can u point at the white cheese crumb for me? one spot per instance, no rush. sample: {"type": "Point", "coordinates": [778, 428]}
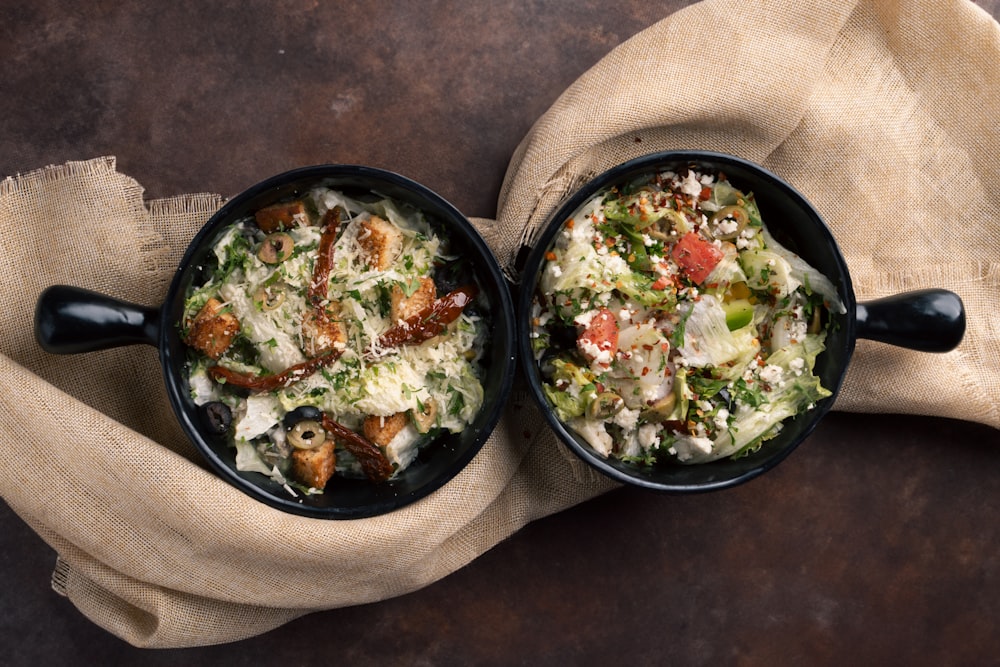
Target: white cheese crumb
{"type": "Point", "coordinates": [690, 185]}
{"type": "Point", "coordinates": [584, 319]}
{"type": "Point", "coordinates": [702, 444]}
{"type": "Point", "coordinates": [771, 374]}
{"type": "Point", "coordinates": [627, 419]}
{"type": "Point", "coordinates": [648, 437]}
{"type": "Point", "coordinates": [727, 226]}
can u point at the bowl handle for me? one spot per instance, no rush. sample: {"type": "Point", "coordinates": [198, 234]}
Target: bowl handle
{"type": "Point", "coordinates": [69, 320]}
{"type": "Point", "coordinates": [929, 320]}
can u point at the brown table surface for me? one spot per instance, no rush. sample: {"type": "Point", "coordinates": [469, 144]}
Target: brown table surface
{"type": "Point", "coordinates": [876, 542]}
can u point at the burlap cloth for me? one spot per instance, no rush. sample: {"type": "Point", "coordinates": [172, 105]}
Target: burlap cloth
{"type": "Point", "coordinates": [884, 113]}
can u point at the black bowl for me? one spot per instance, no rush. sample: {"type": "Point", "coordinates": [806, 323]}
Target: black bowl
{"type": "Point", "coordinates": [71, 320]}
{"type": "Point", "coordinates": [929, 320]}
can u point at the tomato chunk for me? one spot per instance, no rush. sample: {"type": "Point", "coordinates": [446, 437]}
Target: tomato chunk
{"type": "Point", "coordinates": [696, 256]}
{"type": "Point", "coordinates": [599, 340]}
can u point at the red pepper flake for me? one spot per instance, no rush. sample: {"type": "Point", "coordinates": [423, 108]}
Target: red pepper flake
{"type": "Point", "coordinates": [570, 223]}
{"type": "Point", "coordinates": [706, 192]}
{"type": "Point", "coordinates": [551, 256]}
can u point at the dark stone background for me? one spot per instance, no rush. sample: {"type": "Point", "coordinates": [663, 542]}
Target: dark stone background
{"type": "Point", "coordinates": [875, 543]}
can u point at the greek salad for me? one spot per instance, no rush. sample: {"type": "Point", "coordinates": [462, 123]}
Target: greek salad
{"type": "Point", "coordinates": [670, 326]}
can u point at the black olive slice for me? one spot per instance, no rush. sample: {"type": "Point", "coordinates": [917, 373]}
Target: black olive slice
{"type": "Point", "coordinates": [302, 413]}
{"type": "Point", "coordinates": [216, 417]}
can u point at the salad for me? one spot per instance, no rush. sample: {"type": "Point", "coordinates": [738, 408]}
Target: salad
{"type": "Point", "coordinates": [333, 337]}
{"type": "Point", "coordinates": [670, 326]}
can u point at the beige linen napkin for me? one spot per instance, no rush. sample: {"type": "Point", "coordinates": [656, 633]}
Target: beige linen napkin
{"type": "Point", "coordinates": [882, 112]}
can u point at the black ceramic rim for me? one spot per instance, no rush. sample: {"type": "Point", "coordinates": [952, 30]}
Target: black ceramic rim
{"type": "Point", "coordinates": [724, 473]}
{"type": "Point", "coordinates": [375, 499]}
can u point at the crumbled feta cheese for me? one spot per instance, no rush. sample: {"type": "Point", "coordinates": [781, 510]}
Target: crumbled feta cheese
{"type": "Point", "coordinates": [648, 437]}
{"type": "Point", "coordinates": [690, 185]}
{"type": "Point", "coordinates": [597, 354]}
{"type": "Point", "coordinates": [771, 374]}
{"type": "Point", "coordinates": [584, 318]}
{"type": "Point", "coordinates": [704, 445]}
{"type": "Point", "coordinates": [627, 419]}
{"type": "Point", "coordinates": [615, 265]}
{"type": "Point", "coordinates": [727, 226]}
{"type": "Point", "coordinates": [721, 419]}
{"type": "Point", "coordinates": [745, 239]}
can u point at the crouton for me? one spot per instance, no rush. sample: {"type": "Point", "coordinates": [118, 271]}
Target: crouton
{"type": "Point", "coordinates": [403, 307]}
{"type": "Point", "coordinates": [213, 329]}
{"type": "Point", "coordinates": [282, 216]}
{"type": "Point", "coordinates": [381, 241]}
{"type": "Point", "coordinates": [381, 430]}
{"type": "Point", "coordinates": [322, 332]}
{"type": "Point", "coordinates": [314, 467]}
